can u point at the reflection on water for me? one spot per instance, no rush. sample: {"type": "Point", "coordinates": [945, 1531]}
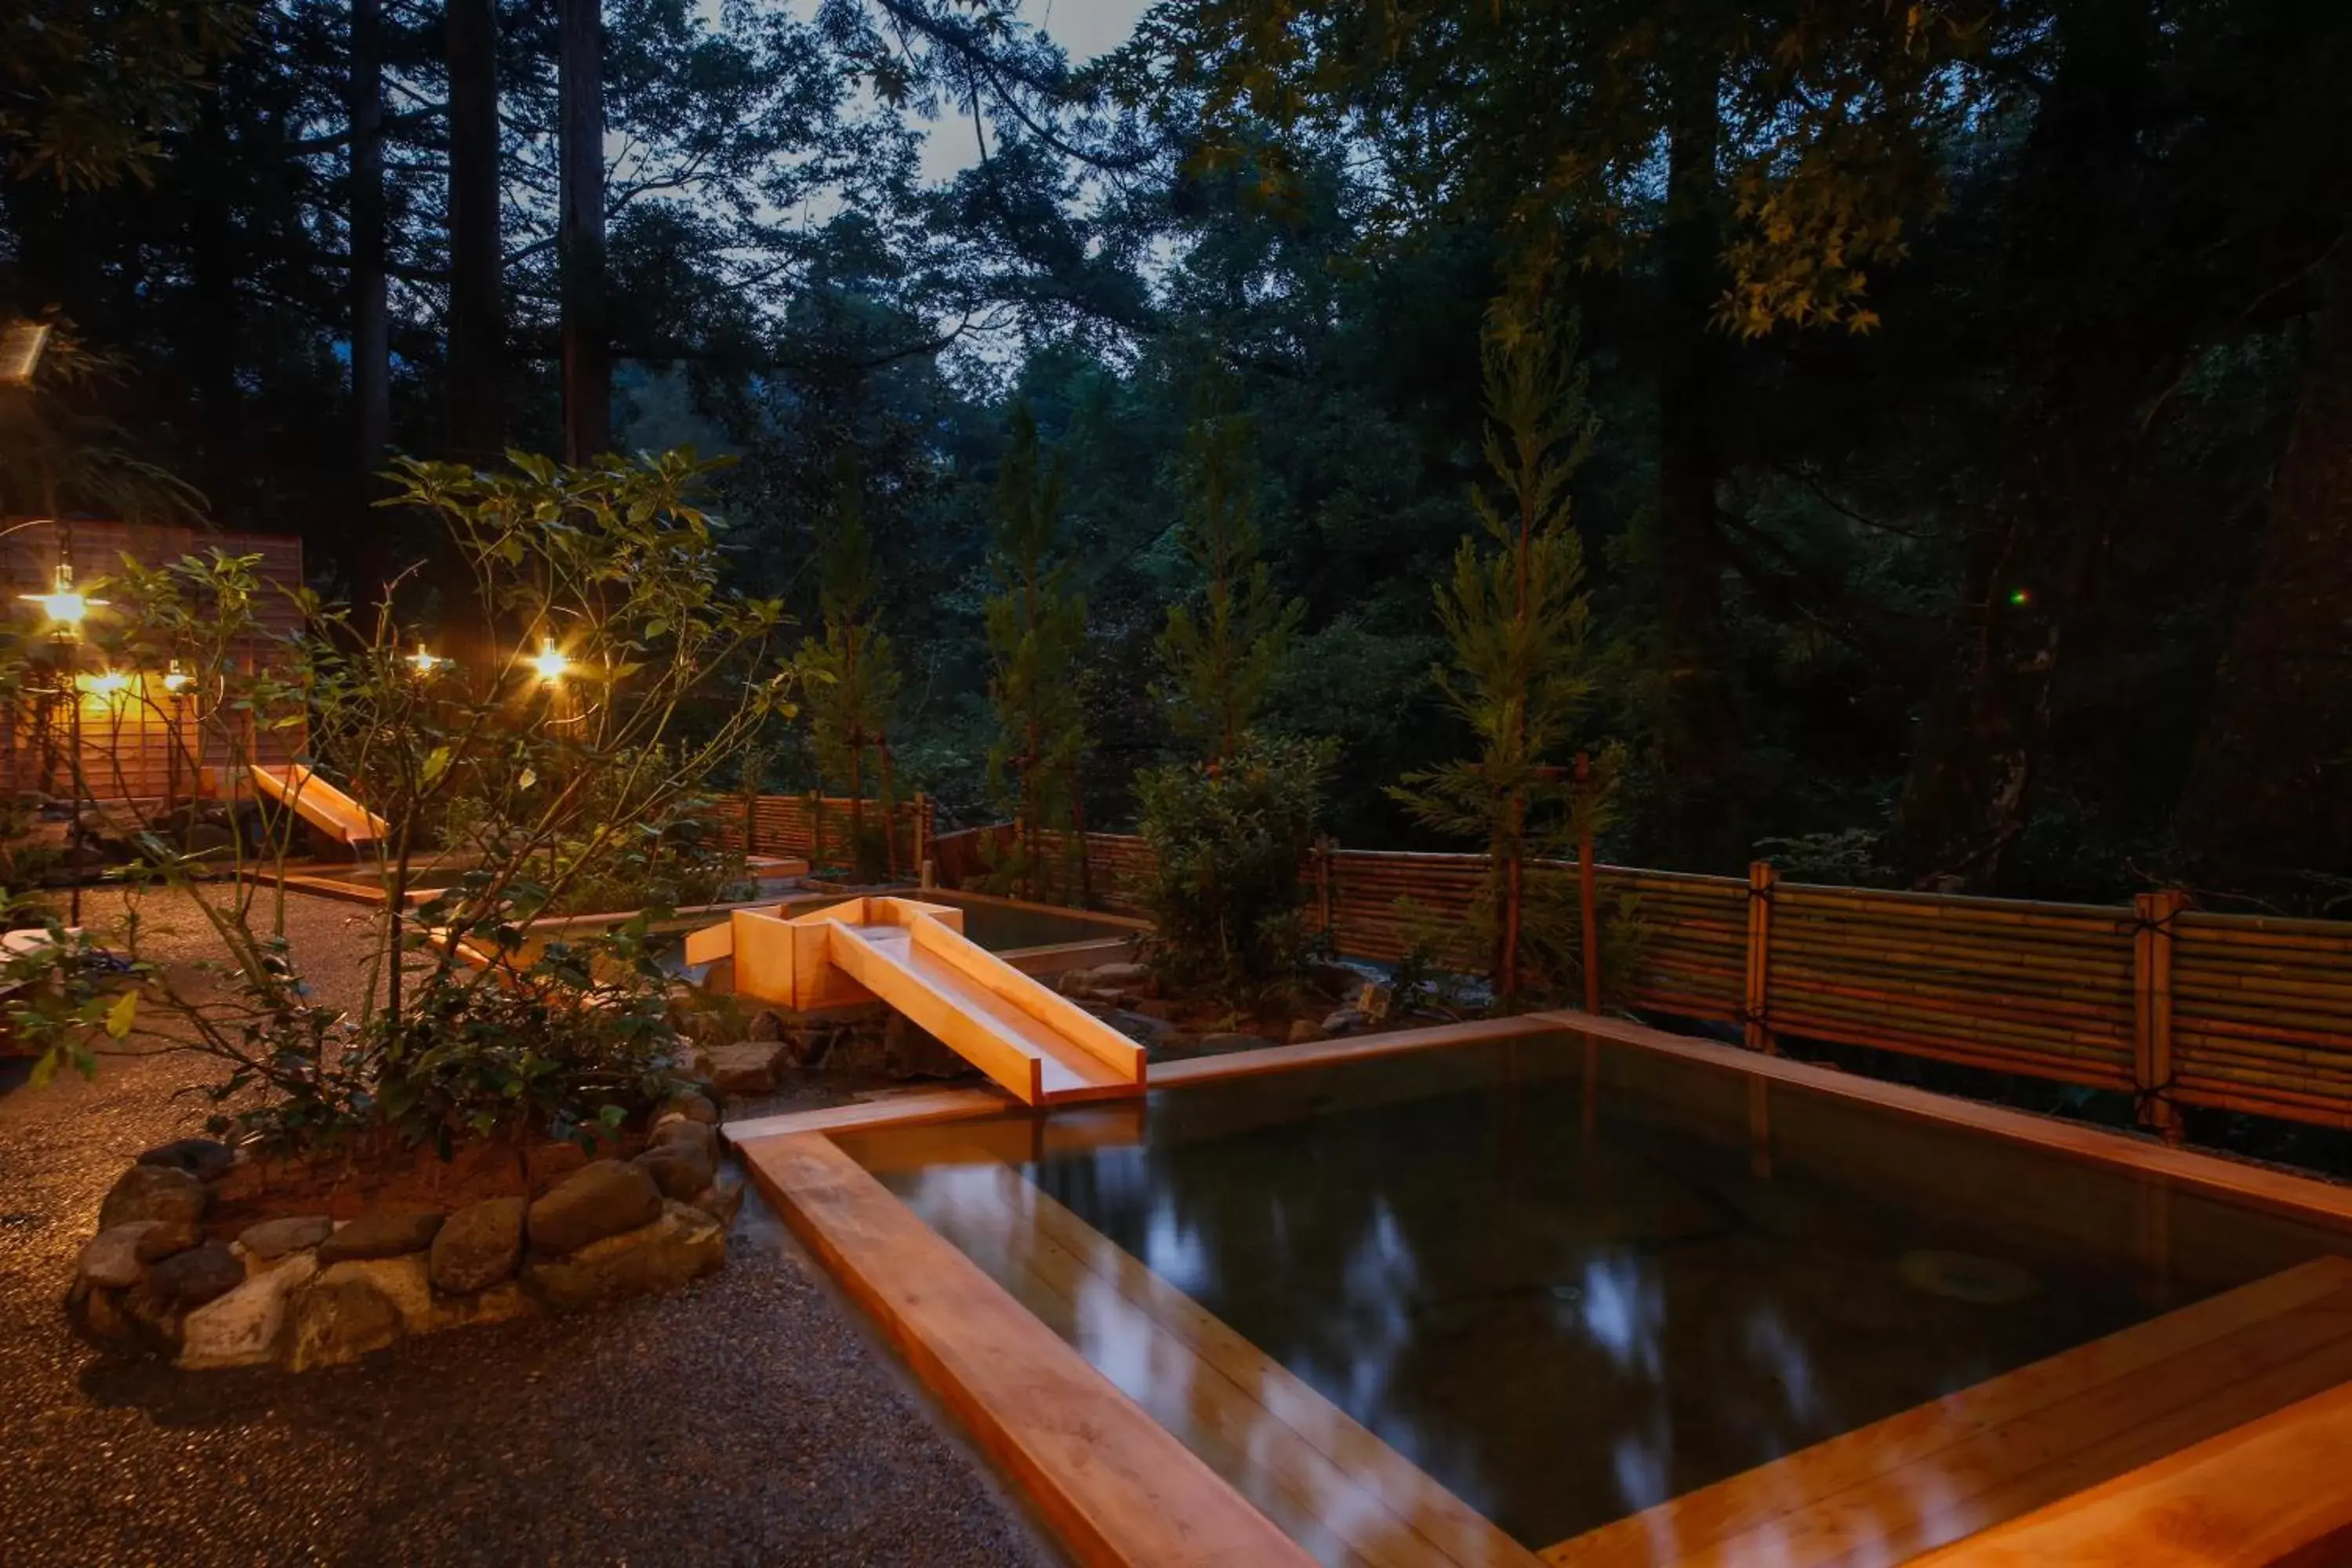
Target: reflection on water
{"type": "Point", "coordinates": [1566, 1323]}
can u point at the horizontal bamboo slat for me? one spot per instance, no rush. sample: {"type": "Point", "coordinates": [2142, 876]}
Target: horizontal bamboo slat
{"type": "Point", "coordinates": [2259, 1009]}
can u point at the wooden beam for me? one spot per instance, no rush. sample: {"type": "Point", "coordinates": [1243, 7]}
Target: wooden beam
{"type": "Point", "coordinates": [1354, 1047]}
{"type": "Point", "coordinates": [2262, 1187]}
{"type": "Point", "coordinates": [1114, 1484]}
{"type": "Point", "coordinates": [1942, 1472]}
{"type": "Point", "coordinates": [2269, 1494]}
{"type": "Point", "coordinates": [888, 1111]}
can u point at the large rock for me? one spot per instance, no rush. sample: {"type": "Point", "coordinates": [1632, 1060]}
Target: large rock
{"type": "Point", "coordinates": [680, 1244]}
{"type": "Point", "coordinates": [700, 1136]}
{"type": "Point", "coordinates": [274, 1238]}
{"type": "Point", "coordinates": [679, 1169]}
{"type": "Point", "coordinates": [203, 1158]}
{"type": "Point", "coordinates": [747, 1068]}
{"type": "Point", "coordinates": [191, 1278]}
{"type": "Point", "coordinates": [103, 1316]}
{"type": "Point", "coordinates": [480, 1245]}
{"type": "Point", "coordinates": [1106, 978]}
{"type": "Point", "coordinates": [340, 1320]}
{"type": "Point", "coordinates": [1138, 1025]}
{"type": "Point", "coordinates": [153, 1192]}
{"type": "Point", "coordinates": [1344, 1021]}
{"type": "Point", "coordinates": [246, 1327]}
{"type": "Point", "coordinates": [597, 1201]}
{"type": "Point", "coordinates": [910, 1052]}
{"type": "Point", "coordinates": [110, 1261]}
{"type": "Point", "coordinates": [767, 1025]}
{"type": "Point", "coordinates": [721, 1199]}
{"type": "Point", "coordinates": [163, 1238]}
{"type": "Point", "coordinates": [380, 1235]}
{"type": "Point", "coordinates": [691, 1106]}
{"type": "Point", "coordinates": [1306, 1031]}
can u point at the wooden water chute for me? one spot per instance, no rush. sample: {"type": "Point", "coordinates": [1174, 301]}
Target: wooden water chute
{"type": "Point", "coordinates": [1040, 1045]}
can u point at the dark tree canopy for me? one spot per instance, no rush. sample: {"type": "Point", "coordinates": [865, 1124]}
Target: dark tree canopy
{"type": "Point", "coordinates": [1967, 501]}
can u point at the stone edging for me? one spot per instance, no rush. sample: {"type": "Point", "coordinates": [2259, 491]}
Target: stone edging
{"type": "Point", "coordinates": [305, 1291]}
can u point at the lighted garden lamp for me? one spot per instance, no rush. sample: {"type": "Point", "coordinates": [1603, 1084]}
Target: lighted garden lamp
{"type": "Point", "coordinates": [21, 342]}
{"type": "Point", "coordinates": [550, 664]}
{"type": "Point", "coordinates": [422, 662]}
{"type": "Point", "coordinates": [65, 605]}
{"type": "Point", "coordinates": [109, 684]}
{"type": "Point", "coordinates": [175, 679]}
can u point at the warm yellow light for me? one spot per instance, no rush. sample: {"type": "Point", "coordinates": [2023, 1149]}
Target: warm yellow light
{"type": "Point", "coordinates": [175, 681]}
{"type": "Point", "coordinates": [422, 662]}
{"type": "Point", "coordinates": [63, 606]}
{"type": "Point", "coordinates": [109, 683]}
{"type": "Point", "coordinates": [550, 664]}
{"type": "Point", "coordinates": [20, 351]}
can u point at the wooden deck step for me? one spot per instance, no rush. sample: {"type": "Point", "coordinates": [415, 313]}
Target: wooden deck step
{"type": "Point", "coordinates": [1945, 1470]}
{"type": "Point", "coordinates": [2268, 1494]}
{"type": "Point", "coordinates": [1332, 1484]}
{"type": "Point", "coordinates": [1115, 1485]}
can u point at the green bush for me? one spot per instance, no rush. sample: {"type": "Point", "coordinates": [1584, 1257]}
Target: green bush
{"type": "Point", "coordinates": [1227, 841]}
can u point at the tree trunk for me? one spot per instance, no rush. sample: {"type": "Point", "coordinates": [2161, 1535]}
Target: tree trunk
{"type": "Point", "coordinates": [371, 334]}
{"type": "Point", "coordinates": [1700, 726]}
{"type": "Point", "coordinates": [2269, 798]}
{"type": "Point", "coordinates": [477, 369]}
{"type": "Point", "coordinates": [580, 234]}
{"type": "Point", "coordinates": [2081, 364]}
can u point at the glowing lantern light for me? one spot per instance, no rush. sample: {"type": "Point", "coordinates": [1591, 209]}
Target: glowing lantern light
{"type": "Point", "coordinates": [64, 605]}
{"type": "Point", "coordinates": [175, 681]}
{"type": "Point", "coordinates": [109, 683]}
{"type": "Point", "coordinates": [422, 662]}
{"type": "Point", "coordinates": [550, 664]}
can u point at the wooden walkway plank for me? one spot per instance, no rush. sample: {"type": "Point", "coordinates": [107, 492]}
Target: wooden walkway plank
{"type": "Point", "coordinates": [1336, 1521]}
{"type": "Point", "coordinates": [2269, 1493]}
{"type": "Point", "coordinates": [1385, 1507]}
{"type": "Point", "coordinates": [1941, 1471]}
{"type": "Point", "coordinates": [1114, 1484]}
{"type": "Point", "coordinates": [886, 1110]}
{"type": "Point", "coordinates": [1353, 1047]}
{"type": "Point", "coordinates": [2301, 1197]}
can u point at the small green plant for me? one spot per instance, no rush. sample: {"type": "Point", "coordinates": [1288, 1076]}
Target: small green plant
{"type": "Point", "coordinates": [1227, 841]}
{"type": "Point", "coordinates": [1428, 977]}
{"type": "Point", "coordinates": [1515, 613]}
{"type": "Point", "coordinates": [574, 765]}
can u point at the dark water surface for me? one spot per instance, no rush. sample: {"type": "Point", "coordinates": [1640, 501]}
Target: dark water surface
{"type": "Point", "coordinates": [1568, 1308]}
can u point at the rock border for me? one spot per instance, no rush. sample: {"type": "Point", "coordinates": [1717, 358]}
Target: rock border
{"type": "Point", "coordinates": [304, 1290]}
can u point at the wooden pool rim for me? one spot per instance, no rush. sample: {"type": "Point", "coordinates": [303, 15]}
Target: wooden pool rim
{"type": "Point", "coordinates": [1119, 1489]}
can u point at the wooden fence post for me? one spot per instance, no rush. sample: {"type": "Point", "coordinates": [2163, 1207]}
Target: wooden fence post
{"type": "Point", "coordinates": [1756, 1032]}
{"type": "Point", "coordinates": [1324, 845]}
{"type": "Point", "coordinates": [1588, 892]}
{"type": "Point", "coordinates": [2152, 1009]}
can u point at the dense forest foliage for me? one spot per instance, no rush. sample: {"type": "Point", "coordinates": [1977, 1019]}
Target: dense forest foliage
{"type": "Point", "coordinates": [1969, 499]}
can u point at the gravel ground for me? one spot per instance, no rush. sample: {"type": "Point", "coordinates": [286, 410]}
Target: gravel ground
{"type": "Point", "coordinates": [750, 1418]}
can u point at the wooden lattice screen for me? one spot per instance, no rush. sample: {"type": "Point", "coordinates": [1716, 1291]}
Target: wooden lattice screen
{"type": "Point", "coordinates": [2174, 1005]}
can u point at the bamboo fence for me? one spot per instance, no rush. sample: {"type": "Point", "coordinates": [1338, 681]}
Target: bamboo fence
{"type": "Point", "coordinates": [2173, 1005]}
{"type": "Point", "coordinates": [816, 828]}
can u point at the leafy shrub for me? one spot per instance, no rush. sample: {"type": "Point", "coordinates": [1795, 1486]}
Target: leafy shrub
{"type": "Point", "coordinates": [1227, 841]}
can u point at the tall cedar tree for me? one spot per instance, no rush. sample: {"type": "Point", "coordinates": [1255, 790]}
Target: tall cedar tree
{"type": "Point", "coordinates": [1221, 661]}
{"type": "Point", "coordinates": [1036, 641]}
{"type": "Point", "coordinates": [1516, 615]}
{"type": "Point", "coordinates": [853, 675]}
